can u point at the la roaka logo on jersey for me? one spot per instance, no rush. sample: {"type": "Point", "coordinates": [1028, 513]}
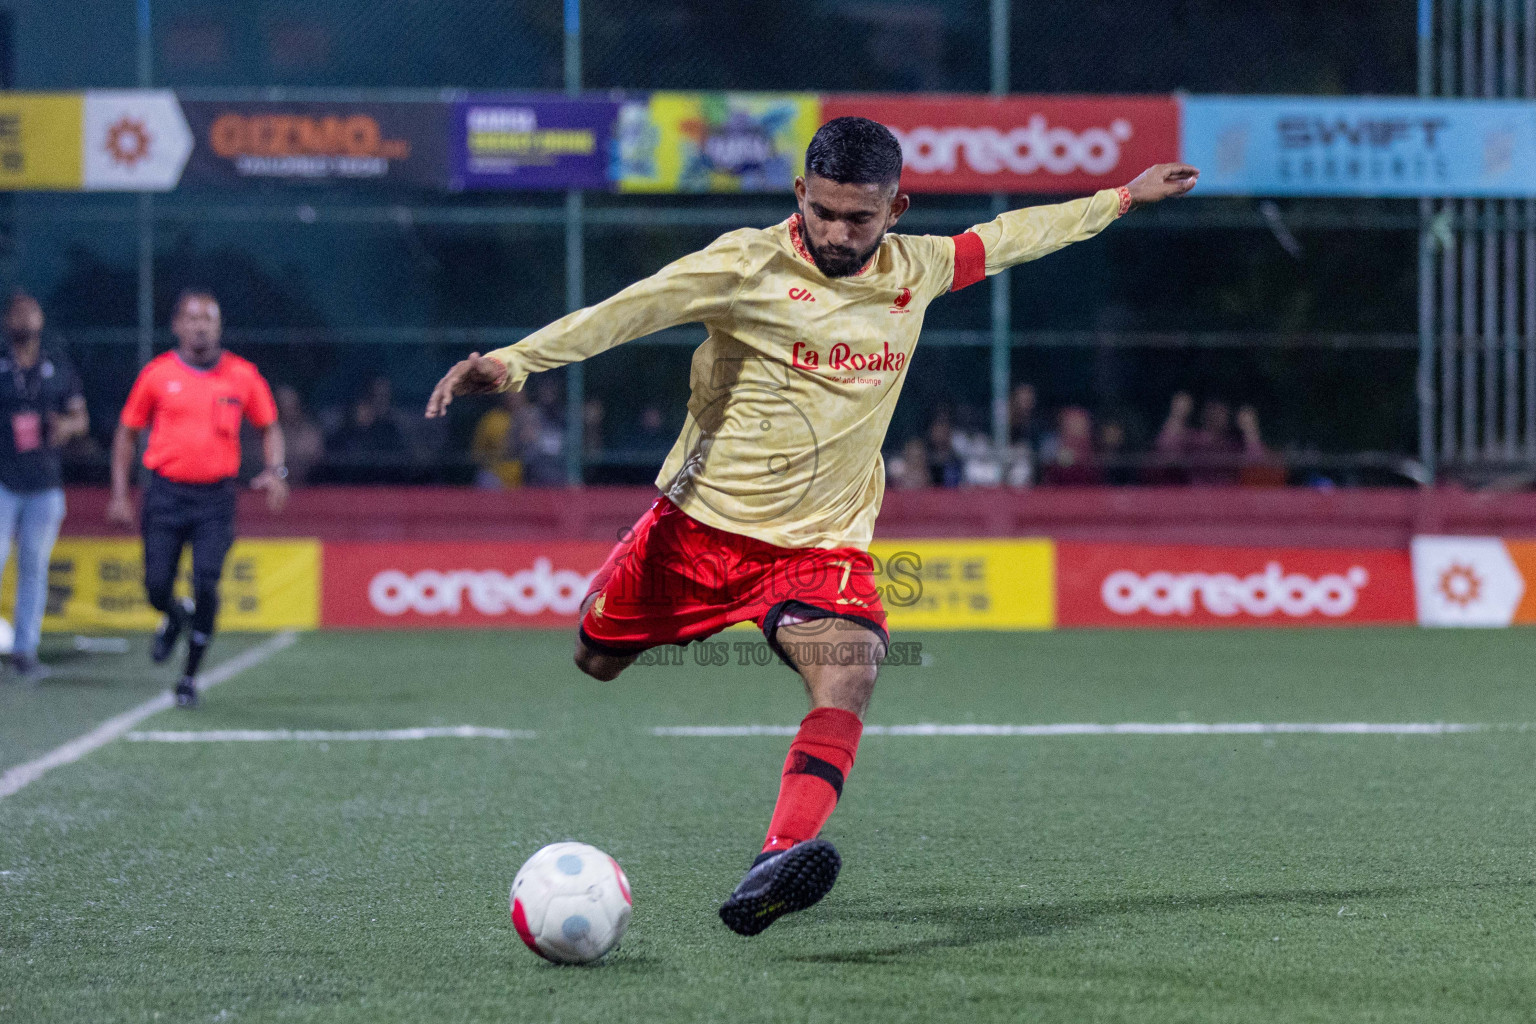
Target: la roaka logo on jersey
{"type": "Point", "coordinates": [841, 357]}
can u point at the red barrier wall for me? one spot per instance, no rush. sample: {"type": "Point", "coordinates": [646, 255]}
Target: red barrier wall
{"type": "Point", "coordinates": [1295, 517]}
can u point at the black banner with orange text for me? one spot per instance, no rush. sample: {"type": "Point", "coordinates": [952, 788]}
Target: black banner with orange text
{"type": "Point", "coordinates": [310, 143]}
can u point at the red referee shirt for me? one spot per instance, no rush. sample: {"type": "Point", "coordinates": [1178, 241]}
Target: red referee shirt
{"type": "Point", "coordinates": [194, 415]}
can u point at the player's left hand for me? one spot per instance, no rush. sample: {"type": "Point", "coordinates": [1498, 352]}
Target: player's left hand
{"type": "Point", "coordinates": [1162, 181]}
{"type": "Point", "coordinates": [276, 488]}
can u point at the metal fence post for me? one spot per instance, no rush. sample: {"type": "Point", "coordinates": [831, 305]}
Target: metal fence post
{"type": "Point", "coordinates": [1002, 308]}
{"type": "Point", "coordinates": [146, 212]}
{"type": "Point", "coordinates": [575, 266]}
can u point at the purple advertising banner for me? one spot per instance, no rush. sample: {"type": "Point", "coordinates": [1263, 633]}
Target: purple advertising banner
{"type": "Point", "coordinates": [522, 141]}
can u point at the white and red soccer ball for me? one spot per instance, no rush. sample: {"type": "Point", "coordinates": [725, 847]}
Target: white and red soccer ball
{"type": "Point", "coordinates": [570, 903]}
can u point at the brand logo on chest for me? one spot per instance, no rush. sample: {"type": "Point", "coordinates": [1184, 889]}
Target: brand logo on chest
{"type": "Point", "coordinates": [842, 357]}
{"type": "Point", "coordinates": [801, 295]}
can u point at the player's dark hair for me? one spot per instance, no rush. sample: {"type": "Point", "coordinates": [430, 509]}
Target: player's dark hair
{"type": "Point", "coordinates": [187, 294]}
{"type": "Point", "coordinates": [855, 151]}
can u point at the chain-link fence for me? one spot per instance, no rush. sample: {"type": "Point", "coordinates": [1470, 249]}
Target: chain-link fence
{"type": "Point", "coordinates": [1304, 311]}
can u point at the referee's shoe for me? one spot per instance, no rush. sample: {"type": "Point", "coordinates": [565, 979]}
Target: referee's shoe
{"type": "Point", "coordinates": [186, 692]}
{"type": "Point", "coordinates": [171, 628]}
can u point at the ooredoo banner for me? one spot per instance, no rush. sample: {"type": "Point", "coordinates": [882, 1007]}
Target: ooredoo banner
{"type": "Point", "coordinates": [1144, 585]}
{"type": "Point", "coordinates": [318, 143]}
{"type": "Point", "coordinates": [1037, 144]}
{"type": "Point", "coordinates": [472, 584]}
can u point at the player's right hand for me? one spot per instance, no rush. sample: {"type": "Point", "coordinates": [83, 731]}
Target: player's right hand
{"type": "Point", "coordinates": [120, 511]}
{"type": "Point", "coordinates": [477, 375]}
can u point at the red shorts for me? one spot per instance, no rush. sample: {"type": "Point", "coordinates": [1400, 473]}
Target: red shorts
{"type": "Point", "coordinates": [674, 580]}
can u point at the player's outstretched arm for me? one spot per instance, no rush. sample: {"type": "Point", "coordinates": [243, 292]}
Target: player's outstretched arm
{"type": "Point", "coordinates": [1162, 181]}
{"type": "Point", "coordinates": [477, 375]}
{"type": "Point", "coordinates": [1019, 236]}
{"type": "Point", "coordinates": [699, 287]}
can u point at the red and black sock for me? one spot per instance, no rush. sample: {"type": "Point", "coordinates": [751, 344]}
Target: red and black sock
{"type": "Point", "coordinates": [819, 760]}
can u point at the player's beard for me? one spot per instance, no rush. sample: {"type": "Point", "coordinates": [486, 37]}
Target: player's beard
{"type": "Point", "coordinates": [835, 260]}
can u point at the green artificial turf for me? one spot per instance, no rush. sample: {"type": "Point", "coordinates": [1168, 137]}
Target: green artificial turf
{"type": "Point", "coordinates": [1094, 878]}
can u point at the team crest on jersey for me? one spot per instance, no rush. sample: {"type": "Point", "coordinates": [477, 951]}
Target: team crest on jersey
{"type": "Point", "coordinates": [903, 298]}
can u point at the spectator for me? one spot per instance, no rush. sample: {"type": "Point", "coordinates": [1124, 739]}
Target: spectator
{"type": "Point", "coordinates": [651, 434]}
{"type": "Point", "coordinates": [908, 471]}
{"type": "Point", "coordinates": [540, 438]}
{"type": "Point", "coordinates": [1112, 455]}
{"type": "Point", "coordinates": [1024, 428]}
{"type": "Point", "coordinates": [42, 407]}
{"type": "Point", "coordinates": [1260, 468]}
{"type": "Point", "coordinates": [492, 446]}
{"type": "Point", "coordinates": [944, 466]}
{"type": "Point", "coordinates": [592, 416]}
{"type": "Point", "coordinates": [1069, 460]}
{"type": "Point", "coordinates": [370, 443]}
{"type": "Point", "coordinates": [305, 442]}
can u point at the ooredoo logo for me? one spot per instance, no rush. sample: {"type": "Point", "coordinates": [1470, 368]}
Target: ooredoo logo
{"type": "Point", "coordinates": [1261, 594]}
{"type": "Point", "coordinates": [1027, 149]}
{"type": "Point", "coordinates": [490, 591]}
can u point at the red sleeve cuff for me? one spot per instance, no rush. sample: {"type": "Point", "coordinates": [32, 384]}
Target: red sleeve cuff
{"type": "Point", "coordinates": [1125, 200]}
{"type": "Point", "coordinates": [970, 260]}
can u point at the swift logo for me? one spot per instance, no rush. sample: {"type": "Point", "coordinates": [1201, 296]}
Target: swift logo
{"type": "Point", "coordinates": [801, 295]}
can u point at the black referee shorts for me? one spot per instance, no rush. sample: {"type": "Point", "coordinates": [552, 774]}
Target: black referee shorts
{"type": "Point", "coordinates": [177, 514]}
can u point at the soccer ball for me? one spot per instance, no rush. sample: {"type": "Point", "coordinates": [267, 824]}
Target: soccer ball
{"type": "Point", "coordinates": [570, 903]}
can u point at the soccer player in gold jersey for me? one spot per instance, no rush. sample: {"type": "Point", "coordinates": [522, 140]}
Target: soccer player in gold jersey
{"type": "Point", "coordinates": [769, 497]}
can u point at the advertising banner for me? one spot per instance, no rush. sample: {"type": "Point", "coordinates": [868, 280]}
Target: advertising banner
{"type": "Point", "coordinates": [136, 140]}
{"type": "Point", "coordinates": [1148, 585]}
{"type": "Point", "coordinates": [512, 141]}
{"type": "Point", "coordinates": [98, 583]}
{"type": "Point", "coordinates": [415, 585]}
{"type": "Point", "coordinates": [1038, 144]}
{"type": "Point", "coordinates": [40, 140]}
{"type": "Point", "coordinates": [1320, 146]}
{"type": "Point", "coordinates": [966, 584]}
{"type": "Point", "coordinates": [318, 143]}
{"type": "Point", "coordinates": [1474, 581]}
{"type": "Point", "coordinates": [714, 141]}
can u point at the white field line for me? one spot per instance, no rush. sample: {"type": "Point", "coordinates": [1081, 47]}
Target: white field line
{"type": "Point", "coordinates": [465, 732]}
{"type": "Point", "coordinates": [1115, 729]}
{"type": "Point", "coordinates": [17, 778]}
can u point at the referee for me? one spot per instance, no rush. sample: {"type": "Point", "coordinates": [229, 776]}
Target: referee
{"type": "Point", "coordinates": [192, 400]}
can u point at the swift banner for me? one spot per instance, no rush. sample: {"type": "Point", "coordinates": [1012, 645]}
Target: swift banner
{"type": "Point", "coordinates": [1147, 585]}
{"type": "Point", "coordinates": [98, 583]}
{"type": "Point", "coordinates": [1309, 146]}
{"type": "Point", "coordinates": [715, 142]}
{"type": "Point", "coordinates": [416, 585]}
{"type": "Point", "coordinates": [1038, 144]}
{"type": "Point", "coordinates": [318, 142]}
{"type": "Point", "coordinates": [966, 584]}
{"type": "Point", "coordinates": [531, 142]}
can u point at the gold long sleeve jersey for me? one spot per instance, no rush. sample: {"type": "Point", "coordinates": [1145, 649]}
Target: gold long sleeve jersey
{"type": "Point", "coordinates": [794, 387]}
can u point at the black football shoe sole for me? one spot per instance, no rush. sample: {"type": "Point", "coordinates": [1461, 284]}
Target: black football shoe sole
{"type": "Point", "coordinates": [797, 879]}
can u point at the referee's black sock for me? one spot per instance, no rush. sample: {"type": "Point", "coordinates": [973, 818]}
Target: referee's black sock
{"type": "Point", "coordinates": [195, 651]}
{"type": "Point", "coordinates": [204, 612]}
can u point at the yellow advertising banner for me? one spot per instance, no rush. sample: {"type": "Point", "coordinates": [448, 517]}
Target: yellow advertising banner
{"type": "Point", "coordinates": [98, 583]}
{"type": "Point", "coordinates": [41, 140]}
{"type": "Point", "coordinates": [967, 584]}
{"type": "Point", "coordinates": [715, 141]}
